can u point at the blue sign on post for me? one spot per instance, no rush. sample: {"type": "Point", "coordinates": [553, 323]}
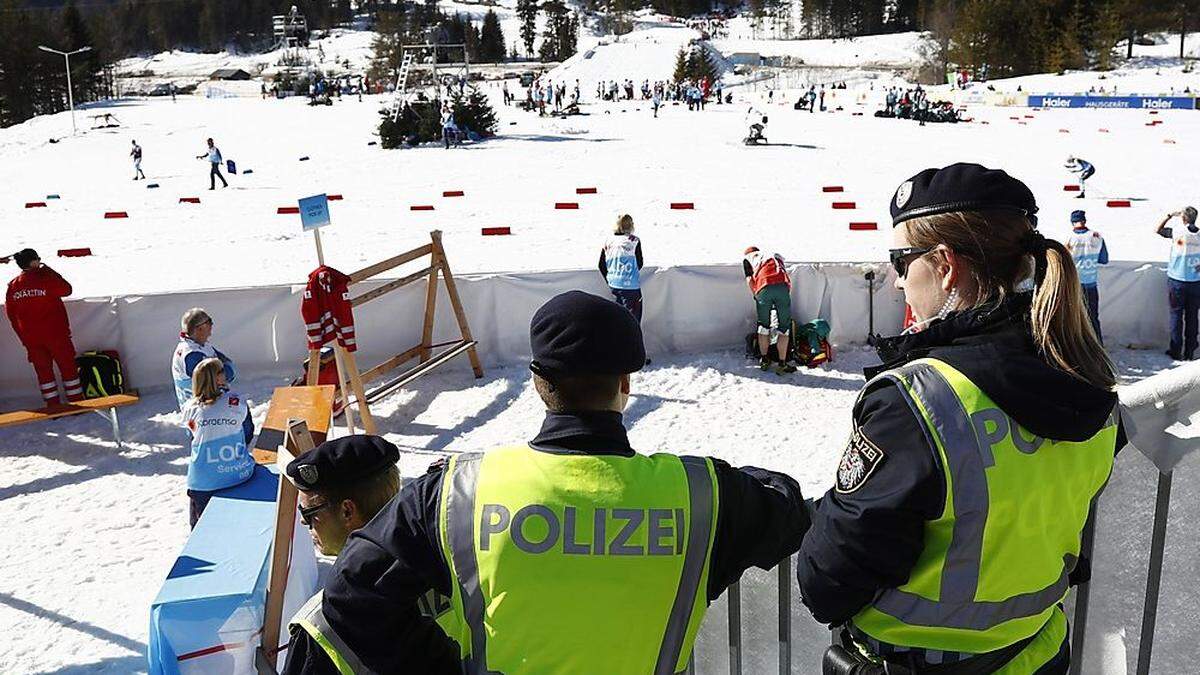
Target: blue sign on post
{"type": "Point", "coordinates": [314, 212]}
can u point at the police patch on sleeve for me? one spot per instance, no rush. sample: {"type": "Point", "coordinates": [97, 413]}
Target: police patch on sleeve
{"type": "Point", "coordinates": [858, 462]}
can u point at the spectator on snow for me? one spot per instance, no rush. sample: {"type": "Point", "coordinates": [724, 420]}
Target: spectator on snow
{"type": "Point", "coordinates": [449, 128]}
{"type": "Point", "coordinates": [196, 328]}
{"type": "Point", "coordinates": [1183, 279]}
{"type": "Point", "coordinates": [213, 154]}
{"type": "Point", "coordinates": [621, 264]}
{"type": "Point", "coordinates": [218, 421]}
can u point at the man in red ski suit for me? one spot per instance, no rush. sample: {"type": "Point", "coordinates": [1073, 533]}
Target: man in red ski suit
{"type": "Point", "coordinates": [34, 306]}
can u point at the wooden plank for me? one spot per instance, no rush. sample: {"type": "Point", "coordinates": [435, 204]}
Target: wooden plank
{"type": "Point", "coordinates": [430, 306]}
{"type": "Point", "coordinates": [18, 417]}
{"type": "Point", "coordinates": [388, 287]}
{"type": "Point", "coordinates": [385, 265]}
{"type": "Point", "coordinates": [313, 405]}
{"type": "Point", "coordinates": [391, 364]}
{"type": "Point", "coordinates": [356, 385]}
{"type": "Point", "coordinates": [414, 373]}
{"type": "Point", "coordinates": [298, 442]}
{"type": "Point", "coordinates": [456, 303]}
{"type": "Point", "coordinates": [343, 385]}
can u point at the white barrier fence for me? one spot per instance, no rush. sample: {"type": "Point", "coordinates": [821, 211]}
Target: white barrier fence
{"type": "Point", "coordinates": [687, 309]}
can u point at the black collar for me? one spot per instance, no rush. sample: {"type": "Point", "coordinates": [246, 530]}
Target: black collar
{"type": "Point", "coordinates": [592, 432]}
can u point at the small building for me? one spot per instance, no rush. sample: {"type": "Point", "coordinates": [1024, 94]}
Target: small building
{"type": "Point", "coordinates": [745, 59]}
{"type": "Point", "coordinates": [229, 74]}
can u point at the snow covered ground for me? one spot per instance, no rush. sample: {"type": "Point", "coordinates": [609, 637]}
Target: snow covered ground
{"type": "Point", "coordinates": [769, 196]}
{"type": "Point", "coordinates": [94, 530]}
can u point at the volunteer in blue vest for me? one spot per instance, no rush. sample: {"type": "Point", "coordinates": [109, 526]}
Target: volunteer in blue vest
{"type": "Point", "coordinates": [218, 421]}
{"type": "Point", "coordinates": [621, 265]}
{"type": "Point", "coordinates": [1183, 281]}
{"type": "Point", "coordinates": [571, 553]}
{"type": "Point", "coordinates": [769, 283]}
{"type": "Point", "coordinates": [196, 329]}
{"type": "Point", "coordinates": [342, 484]}
{"type": "Point", "coordinates": [1088, 251]}
{"type": "Point", "coordinates": [953, 530]}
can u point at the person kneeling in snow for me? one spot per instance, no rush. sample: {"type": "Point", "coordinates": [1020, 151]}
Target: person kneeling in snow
{"type": "Point", "coordinates": [220, 426]}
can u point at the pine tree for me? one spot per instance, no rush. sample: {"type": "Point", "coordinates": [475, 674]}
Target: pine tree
{"type": "Point", "coordinates": [491, 39]}
{"type": "Point", "coordinates": [527, 11]}
{"type": "Point", "coordinates": [681, 66]}
{"type": "Point", "coordinates": [561, 34]}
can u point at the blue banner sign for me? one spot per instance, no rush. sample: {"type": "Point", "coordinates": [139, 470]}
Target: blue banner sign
{"type": "Point", "coordinates": [314, 212]}
{"type": "Point", "coordinates": [1130, 102]}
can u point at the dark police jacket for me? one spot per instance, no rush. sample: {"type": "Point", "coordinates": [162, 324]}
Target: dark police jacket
{"type": "Point", "coordinates": [868, 539]}
{"type": "Point", "coordinates": [389, 565]}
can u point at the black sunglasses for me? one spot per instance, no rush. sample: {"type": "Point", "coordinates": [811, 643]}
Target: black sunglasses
{"type": "Point", "coordinates": [902, 257]}
{"type": "Point", "coordinates": [306, 514]}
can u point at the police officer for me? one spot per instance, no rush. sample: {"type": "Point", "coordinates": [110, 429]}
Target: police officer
{"type": "Point", "coordinates": [954, 525]}
{"type": "Point", "coordinates": [571, 553]}
{"type": "Point", "coordinates": [1088, 251]}
{"type": "Point", "coordinates": [343, 483]}
{"type": "Point", "coordinates": [1183, 281]}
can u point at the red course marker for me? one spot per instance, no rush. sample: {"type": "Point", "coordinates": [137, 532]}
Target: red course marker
{"type": "Point", "coordinates": [864, 226]}
{"type": "Point", "coordinates": [285, 210]}
{"type": "Point", "coordinates": [1104, 131]}
{"type": "Point", "coordinates": [833, 188]}
{"type": "Point", "coordinates": [1153, 112]}
{"type": "Point", "coordinates": [1168, 141]}
{"type": "Point", "coordinates": [423, 207]}
{"type": "Point", "coordinates": [333, 198]}
{"type": "Point", "coordinates": [683, 206]}
{"type": "Point", "coordinates": [491, 231]}
{"type": "Point", "coordinates": [1064, 131]}
{"type": "Point", "coordinates": [1029, 117]}
{"type": "Point", "coordinates": [453, 193]}
{"type": "Point", "coordinates": [845, 205]}
{"type": "Point", "coordinates": [1070, 188]}
{"type": "Point", "coordinates": [585, 191]}
{"type": "Point", "coordinates": [74, 252]}
{"type": "Point", "coordinates": [1118, 203]}
{"type": "Point", "coordinates": [35, 205]}
{"type": "Point", "coordinates": [115, 214]}
{"type": "Point", "coordinates": [189, 200]}
{"type": "Point", "coordinates": [566, 206]}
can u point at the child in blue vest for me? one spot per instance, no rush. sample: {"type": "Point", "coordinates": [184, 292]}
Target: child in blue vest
{"type": "Point", "coordinates": [621, 264]}
{"type": "Point", "coordinates": [221, 429]}
{"type": "Point", "coordinates": [1089, 251]}
{"type": "Point", "coordinates": [1183, 281]}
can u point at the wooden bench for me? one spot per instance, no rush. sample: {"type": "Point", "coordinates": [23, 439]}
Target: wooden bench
{"type": "Point", "coordinates": [105, 406]}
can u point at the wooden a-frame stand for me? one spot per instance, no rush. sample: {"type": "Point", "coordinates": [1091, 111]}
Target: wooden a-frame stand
{"type": "Point", "coordinates": [350, 379]}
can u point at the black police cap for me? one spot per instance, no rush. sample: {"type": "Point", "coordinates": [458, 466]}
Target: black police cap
{"type": "Point", "coordinates": [961, 187]}
{"type": "Point", "coordinates": [577, 333]}
{"type": "Point", "coordinates": [342, 462]}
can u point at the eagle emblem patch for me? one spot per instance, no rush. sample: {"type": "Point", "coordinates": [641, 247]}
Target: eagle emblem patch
{"type": "Point", "coordinates": [858, 463]}
{"type": "Point", "coordinates": [308, 473]}
{"type": "Point", "coordinates": [903, 194]}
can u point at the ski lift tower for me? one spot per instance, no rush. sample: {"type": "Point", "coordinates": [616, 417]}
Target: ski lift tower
{"type": "Point", "coordinates": [444, 76]}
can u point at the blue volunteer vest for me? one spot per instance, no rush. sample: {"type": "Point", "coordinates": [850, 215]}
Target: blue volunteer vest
{"type": "Point", "coordinates": [1184, 264]}
{"type": "Point", "coordinates": [1085, 250]}
{"type": "Point", "coordinates": [220, 458]}
{"type": "Point", "coordinates": [620, 255]}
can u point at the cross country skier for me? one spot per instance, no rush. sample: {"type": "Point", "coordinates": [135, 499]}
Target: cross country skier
{"type": "Point", "coordinates": [213, 154]}
{"type": "Point", "coordinates": [1084, 169]}
{"type": "Point", "coordinates": [136, 154]}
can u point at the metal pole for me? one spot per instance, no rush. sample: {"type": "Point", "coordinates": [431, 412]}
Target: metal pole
{"type": "Point", "coordinates": [785, 616]}
{"type": "Point", "coordinates": [70, 94]}
{"type": "Point", "coordinates": [735, 629]}
{"type": "Point", "coordinates": [1079, 630]}
{"type": "Point", "coordinates": [870, 277]}
{"type": "Point", "coordinates": [1158, 541]}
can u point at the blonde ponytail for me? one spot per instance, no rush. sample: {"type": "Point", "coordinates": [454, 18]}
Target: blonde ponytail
{"type": "Point", "coordinates": [1060, 325]}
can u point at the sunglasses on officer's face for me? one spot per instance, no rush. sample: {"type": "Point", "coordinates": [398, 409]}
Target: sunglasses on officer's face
{"type": "Point", "coordinates": [306, 514]}
{"type": "Point", "coordinates": [903, 257]}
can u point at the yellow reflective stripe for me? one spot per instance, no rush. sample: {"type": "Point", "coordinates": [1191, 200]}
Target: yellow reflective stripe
{"type": "Point", "coordinates": [340, 663]}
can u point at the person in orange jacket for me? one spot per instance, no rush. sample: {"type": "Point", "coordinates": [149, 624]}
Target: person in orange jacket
{"type": "Point", "coordinates": [34, 306]}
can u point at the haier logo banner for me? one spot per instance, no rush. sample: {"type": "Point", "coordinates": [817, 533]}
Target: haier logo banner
{"type": "Point", "coordinates": [1131, 102]}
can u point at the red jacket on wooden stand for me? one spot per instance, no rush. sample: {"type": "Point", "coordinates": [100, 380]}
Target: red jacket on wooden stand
{"type": "Point", "coordinates": [34, 306]}
{"type": "Point", "coordinates": [326, 309]}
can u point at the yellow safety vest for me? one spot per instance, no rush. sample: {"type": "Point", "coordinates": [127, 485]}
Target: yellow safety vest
{"type": "Point", "coordinates": [995, 564]}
